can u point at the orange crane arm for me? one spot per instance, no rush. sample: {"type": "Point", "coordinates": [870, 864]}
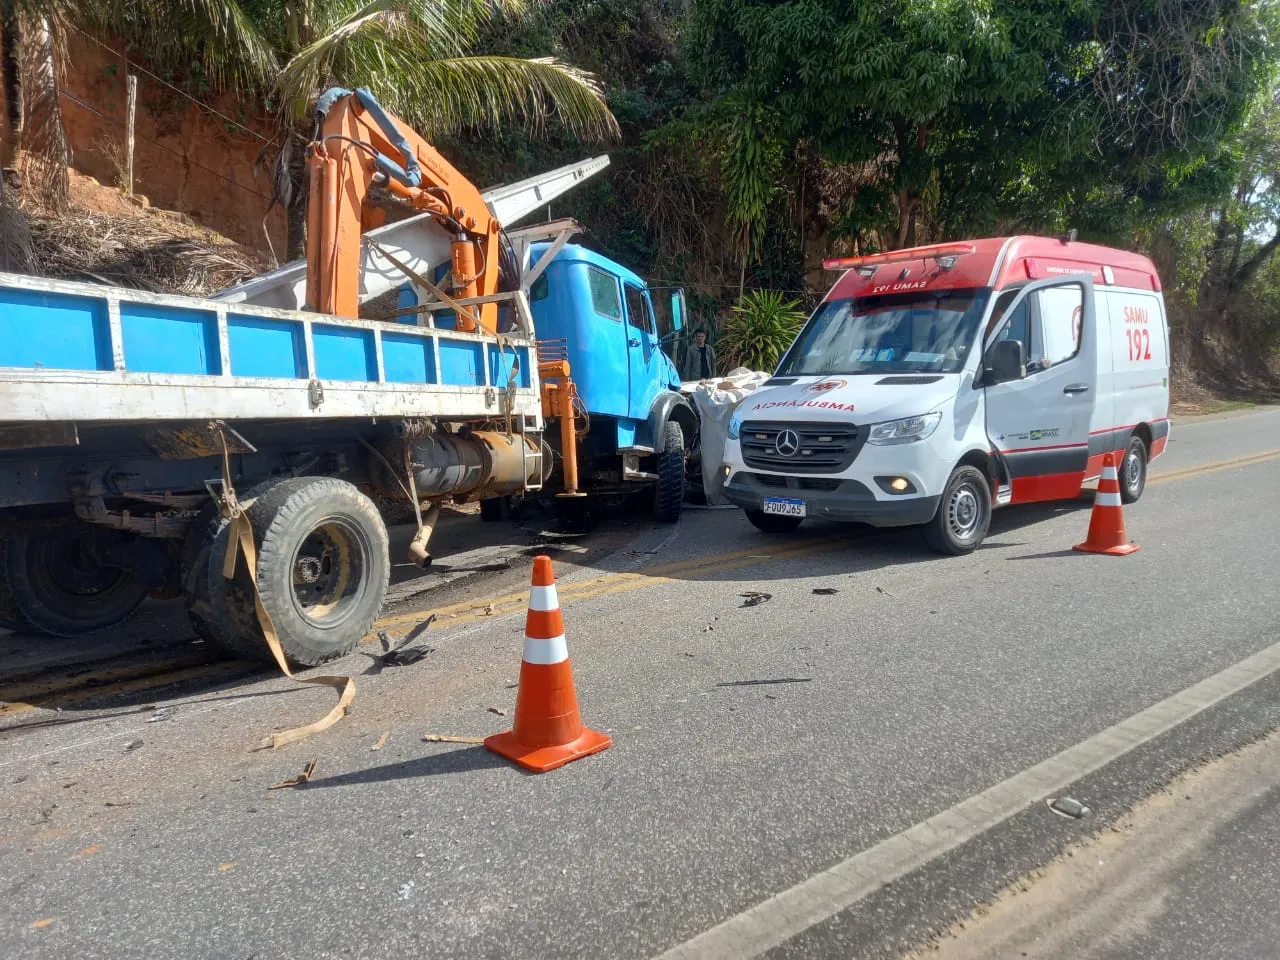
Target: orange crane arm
{"type": "Point", "coordinates": [352, 151]}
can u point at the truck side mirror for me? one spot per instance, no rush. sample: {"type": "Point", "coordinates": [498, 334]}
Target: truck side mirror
{"type": "Point", "coordinates": [677, 310]}
{"type": "Point", "coordinates": [1004, 362]}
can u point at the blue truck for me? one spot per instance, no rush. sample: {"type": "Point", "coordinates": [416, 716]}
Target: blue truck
{"type": "Point", "coordinates": [126, 416]}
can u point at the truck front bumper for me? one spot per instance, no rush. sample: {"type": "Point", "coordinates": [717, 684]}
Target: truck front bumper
{"type": "Point", "coordinates": [848, 500]}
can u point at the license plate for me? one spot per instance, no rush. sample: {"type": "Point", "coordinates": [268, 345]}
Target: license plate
{"type": "Point", "coordinates": [786, 508]}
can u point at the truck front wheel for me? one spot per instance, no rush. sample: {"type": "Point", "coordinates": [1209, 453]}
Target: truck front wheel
{"type": "Point", "coordinates": [668, 494]}
{"type": "Point", "coordinates": [964, 514]}
{"type": "Point", "coordinates": [59, 585]}
{"type": "Point", "coordinates": [323, 568]}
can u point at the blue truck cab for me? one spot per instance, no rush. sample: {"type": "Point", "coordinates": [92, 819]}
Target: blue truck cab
{"type": "Point", "coordinates": [602, 318]}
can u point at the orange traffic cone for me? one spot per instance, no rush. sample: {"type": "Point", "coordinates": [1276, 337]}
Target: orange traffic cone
{"type": "Point", "coordinates": [548, 730]}
{"type": "Point", "coordinates": [1106, 523]}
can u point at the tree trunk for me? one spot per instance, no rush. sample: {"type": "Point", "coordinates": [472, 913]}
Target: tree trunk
{"type": "Point", "coordinates": [11, 58]}
{"type": "Point", "coordinates": [44, 127]}
{"type": "Point", "coordinates": [296, 208]}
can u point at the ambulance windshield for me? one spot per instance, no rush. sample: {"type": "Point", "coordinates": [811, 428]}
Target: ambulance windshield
{"type": "Point", "coordinates": [901, 332]}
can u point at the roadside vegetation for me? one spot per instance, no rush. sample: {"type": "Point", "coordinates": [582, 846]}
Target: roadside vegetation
{"type": "Point", "coordinates": [752, 138]}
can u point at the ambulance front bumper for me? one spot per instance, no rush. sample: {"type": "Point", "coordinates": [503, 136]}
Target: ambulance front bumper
{"type": "Point", "coordinates": [830, 499]}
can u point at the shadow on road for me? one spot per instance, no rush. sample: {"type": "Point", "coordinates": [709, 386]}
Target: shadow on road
{"type": "Point", "coordinates": [465, 760]}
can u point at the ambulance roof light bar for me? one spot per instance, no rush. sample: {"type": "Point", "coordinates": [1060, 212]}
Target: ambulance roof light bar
{"type": "Point", "coordinates": [945, 254]}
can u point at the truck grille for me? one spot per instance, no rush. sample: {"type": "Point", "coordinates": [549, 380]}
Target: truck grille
{"type": "Point", "coordinates": [820, 447]}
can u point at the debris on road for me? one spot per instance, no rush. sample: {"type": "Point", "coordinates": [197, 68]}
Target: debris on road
{"type": "Point", "coordinates": [884, 591]}
{"type": "Point", "coordinates": [121, 803]}
{"type": "Point", "coordinates": [300, 779]}
{"type": "Point", "coordinates": [132, 745]}
{"type": "Point", "coordinates": [495, 710]}
{"type": "Point", "coordinates": [382, 741]}
{"type": "Point", "coordinates": [406, 890]}
{"type": "Point", "coordinates": [161, 715]}
{"type": "Point", "coordinates": [1068, 807]}
{"type": "Point", "coordinates": [449, 738]}
{"type": "Point", "coordinates": [754, 598]}
{"type": "Point", "coordinates": [825, 591]}
{"type": "Point", "coordinates": [762, 683]}
{"type": "Point", "coordinates": [398, 653]}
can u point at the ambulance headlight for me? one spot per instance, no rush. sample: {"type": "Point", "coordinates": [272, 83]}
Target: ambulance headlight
{"type": "Point", "coordinates": [908, 430]}
{"type": "Point", "coordinates": [735, 426]}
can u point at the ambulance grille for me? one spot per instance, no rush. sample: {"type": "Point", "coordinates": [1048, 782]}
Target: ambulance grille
{"type": "Point", "coordinates": [820, 447]}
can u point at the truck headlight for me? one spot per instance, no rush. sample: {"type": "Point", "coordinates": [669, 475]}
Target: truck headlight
{"type": "Point", "coordinates": [907, 430]}
{"type": "Point", "coordinates": [735, 426]}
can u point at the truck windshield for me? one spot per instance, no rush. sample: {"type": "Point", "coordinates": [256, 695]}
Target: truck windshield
{"type": "Point", "coordinates": [903, 332]}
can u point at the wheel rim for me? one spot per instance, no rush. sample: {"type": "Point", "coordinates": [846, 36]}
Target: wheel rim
{"type": "Point", "coordinates": [1132, 470]}
{"type": "Point", "coordinates": [330, 572]}
{"type": "Point", "coordinates": [62, 571]}
{"type": "Point", "coordinates": [964, 512]}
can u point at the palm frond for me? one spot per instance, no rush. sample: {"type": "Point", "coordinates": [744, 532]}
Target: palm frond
{"type": "Point", "coordinates": [454, 94]}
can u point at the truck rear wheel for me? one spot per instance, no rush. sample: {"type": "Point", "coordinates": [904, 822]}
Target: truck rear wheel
{"type": "Point", "coordinates": [668, 494]}
{"type": "Point", "coordinates": [322, 569]}
{"type": "Point", "coordinates": [59, 586]}
{"type": "Point", "coordinates": [208, 595]}
{"type": "Point", "coordinates": [964, 514]}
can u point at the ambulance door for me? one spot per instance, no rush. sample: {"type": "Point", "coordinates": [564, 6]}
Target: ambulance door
{"type": "Point", "coordinates": [1039, 373]}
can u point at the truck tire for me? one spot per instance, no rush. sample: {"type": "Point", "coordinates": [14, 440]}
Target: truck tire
{"type": "Point", "coordinates": [964, 513]}
{"type": "Point", "coordinates": [323, 569]}
{"type": "Point", "coordinates": [773, 523]}
{"type": "Point", "coordinates": [495, 509]}
{"type": "Point", "coordinates": [52, 585]}
{"type": "Point", "coordinates": [668, 493]}
{"type": "Point", "coordinates": [207, 594]}
{"type": "Point", "coordinates": [1133, 470]}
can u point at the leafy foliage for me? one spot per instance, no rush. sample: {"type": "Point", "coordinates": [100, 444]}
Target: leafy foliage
{"type": "Point", "coordinates": [759, 329]}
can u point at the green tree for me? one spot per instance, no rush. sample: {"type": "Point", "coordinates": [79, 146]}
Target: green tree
{"type": "Point", "coordinates": [963, 112]}
{"type": "Point", "coordinates": [417, 56]}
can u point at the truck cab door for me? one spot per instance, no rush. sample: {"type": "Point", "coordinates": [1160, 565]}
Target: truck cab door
{"type": "Point", "coordinates": [1039, 373]}
{"type": "Point", "coordinates": [644, 353]}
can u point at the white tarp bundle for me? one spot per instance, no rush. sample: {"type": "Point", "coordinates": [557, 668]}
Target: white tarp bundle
{"type": "Point", "coordinates": [715, 400]}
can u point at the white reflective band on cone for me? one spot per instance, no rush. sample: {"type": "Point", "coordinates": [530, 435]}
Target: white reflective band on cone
{"type": "Point", "coordinates": [544, 598]}
{"type": "Point", "coordinates": [545, 651]}
{"type": "Point", "coordinates": [1107, 499]}
{"type": "Point", "coordinates": [1109, 473]}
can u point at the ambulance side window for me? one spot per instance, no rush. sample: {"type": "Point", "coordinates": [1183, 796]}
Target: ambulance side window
{"type": "Point", "coordinates": [1018, 326]}
{"type": "Point", "coordinates": [1059, 310]}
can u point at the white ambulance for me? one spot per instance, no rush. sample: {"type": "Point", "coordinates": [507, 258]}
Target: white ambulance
{"type": "Point", "coordinates": [936, 383]}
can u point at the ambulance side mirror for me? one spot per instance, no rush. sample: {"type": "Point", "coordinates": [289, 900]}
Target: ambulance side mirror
{"type": "Point", "coordinates": [1005, 361]}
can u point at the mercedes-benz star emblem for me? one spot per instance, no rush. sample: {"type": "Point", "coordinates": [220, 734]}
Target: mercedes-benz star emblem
{"type": "Point", "coordinates": [787, 444]}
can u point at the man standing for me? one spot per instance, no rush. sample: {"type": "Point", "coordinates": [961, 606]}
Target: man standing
{"type": "Point", "coordinates": [699, 361]}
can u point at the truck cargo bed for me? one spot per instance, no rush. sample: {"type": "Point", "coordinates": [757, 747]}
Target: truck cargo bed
{"type": "Point", "coordinates": [87, 353]}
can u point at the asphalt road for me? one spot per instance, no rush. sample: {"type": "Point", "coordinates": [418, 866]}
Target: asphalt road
{"type": "Point", "coordinates": [922, 682]}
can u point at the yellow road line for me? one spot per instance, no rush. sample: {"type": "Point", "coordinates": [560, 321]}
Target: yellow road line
{"type": "Point", "coordinates": [581, 589]}
{"type": "Point", "coordinates": [21, 698]}
{"type": "Point", "coordinates": [1214, 467]}
{"type": "Point", "coordinates": [225, 668]}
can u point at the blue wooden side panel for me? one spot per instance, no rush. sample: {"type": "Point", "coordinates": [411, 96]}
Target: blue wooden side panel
{"type": "Point", "coordinates": [266, 348]}
{"type": "Point", "coordinates": [408, 359]}
{"type": "Point", "coordinates": [54, 331]}
{"type": "Point", "coordinates": [344, 353]}
{"type": "Point", "coordinates": [164, 339]}
{"type": "Point", "coordinates": [462, 363]}
{"type": "Point", "coordinates": [500, 361]}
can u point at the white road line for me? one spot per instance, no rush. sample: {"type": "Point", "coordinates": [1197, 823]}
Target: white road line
{"type": "Point", "coordinates": [810, 902]}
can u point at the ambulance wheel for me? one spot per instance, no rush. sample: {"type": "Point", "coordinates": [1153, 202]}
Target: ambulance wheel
{"type": "Point", "coordinates": [964, 514]}
{"type": "Point", "coordinates": [773, 523]}
{"type": "Point", "coordinates": [1133, 470]}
